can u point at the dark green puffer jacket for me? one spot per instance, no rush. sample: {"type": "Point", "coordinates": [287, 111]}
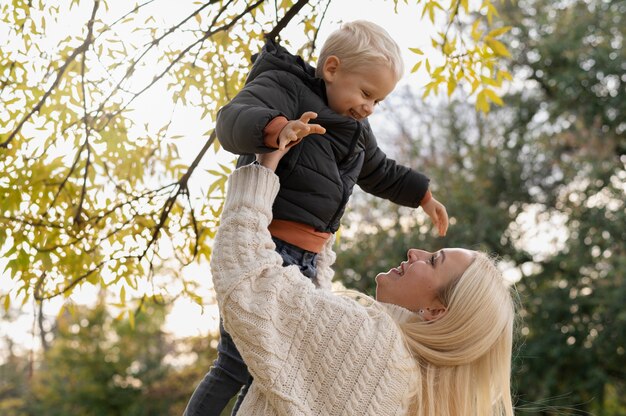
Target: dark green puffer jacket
{"type": "Point", "coordinates": [318, 174]}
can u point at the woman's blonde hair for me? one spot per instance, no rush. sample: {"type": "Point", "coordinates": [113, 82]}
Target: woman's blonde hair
{"type": "Point", "coordinates": [465, 356]}
{"type": "Point", "coordinates": [359, 45]}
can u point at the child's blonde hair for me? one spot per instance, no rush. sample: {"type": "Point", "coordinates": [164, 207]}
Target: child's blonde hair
{"type": "Point", "coordinates": [465, 356]}
{"type": "Point", "coordinates": [359, 45]}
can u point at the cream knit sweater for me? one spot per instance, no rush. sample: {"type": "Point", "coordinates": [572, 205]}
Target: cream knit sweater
{"type": "Point", "coordinates": [310, 351]}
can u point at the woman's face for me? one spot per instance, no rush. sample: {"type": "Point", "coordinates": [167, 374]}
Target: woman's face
{"type": "Point", "coordinates": [416, 282]}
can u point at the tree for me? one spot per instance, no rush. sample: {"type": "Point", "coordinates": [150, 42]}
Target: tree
{"type": "Point", "coordinates": [14, 391]}
{"type": "Point", "coordinates": [91, 195]}
{"type": "Point", "coordinates": [574, 350]}
{"type": "Point", "coordinates": [99, 365]}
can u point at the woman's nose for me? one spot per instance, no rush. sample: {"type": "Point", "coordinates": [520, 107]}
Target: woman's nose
{"type": "Point", "coordinates": [415, 254]}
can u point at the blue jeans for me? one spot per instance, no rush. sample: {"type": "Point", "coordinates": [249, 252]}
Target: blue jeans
{"type": "Point", "coordinates": [229, 374]}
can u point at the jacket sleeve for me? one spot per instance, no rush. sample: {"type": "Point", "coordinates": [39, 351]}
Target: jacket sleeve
{"type": "Point", "coordinates": [274, 314]}
{"type": "Point", "coordinates": [384, 178]}
{"type": "Point", "coordinates": [241, 122]}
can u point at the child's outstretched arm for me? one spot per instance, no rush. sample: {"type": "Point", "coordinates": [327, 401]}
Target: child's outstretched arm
{"type": "Point", "coordinates": [438, 214]}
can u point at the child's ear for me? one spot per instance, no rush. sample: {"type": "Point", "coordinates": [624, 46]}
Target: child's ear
{"type": "Point", "coordinates": [330, 68]}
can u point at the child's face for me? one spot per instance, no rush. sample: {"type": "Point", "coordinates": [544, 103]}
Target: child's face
{"type": "Point", "coordinates": [356, 94]}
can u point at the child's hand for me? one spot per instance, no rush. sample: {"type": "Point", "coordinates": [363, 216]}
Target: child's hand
{"type": "Point", "coordinates": [437, 213]}
{"type": "Point", "coordinates": [295, 130]}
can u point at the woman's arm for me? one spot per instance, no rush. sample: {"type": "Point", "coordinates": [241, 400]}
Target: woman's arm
{"type": "Point", "coordinates": [288, 332]}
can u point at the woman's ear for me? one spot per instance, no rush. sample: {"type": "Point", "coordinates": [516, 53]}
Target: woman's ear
{"type": "Point", "coordinates": [330, 68]}
{"type": "Point", "coordinates": [430, 314]}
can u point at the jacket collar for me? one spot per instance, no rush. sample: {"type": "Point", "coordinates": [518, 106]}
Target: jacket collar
{"type": "Point", "coordinates": [274, 56]}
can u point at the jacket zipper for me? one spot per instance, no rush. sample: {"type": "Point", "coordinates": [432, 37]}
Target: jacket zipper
{"type": "Point", "coordinates": [344, 197]}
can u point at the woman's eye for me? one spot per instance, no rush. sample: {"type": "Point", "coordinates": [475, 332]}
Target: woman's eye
{"type": "Point", "coordinates": [432, 260]}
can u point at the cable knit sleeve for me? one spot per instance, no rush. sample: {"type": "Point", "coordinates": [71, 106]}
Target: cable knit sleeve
{"type": "Point", "coordinates": [325, 261]}
{"type": "Point", "coordinates": [309, 351]}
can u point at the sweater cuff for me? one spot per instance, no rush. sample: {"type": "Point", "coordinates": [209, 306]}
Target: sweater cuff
{"type": "Point", "coordinates": [427, 197]}
{"type": "Point", "coordinates": [272, 130]}
{"type": "Point", "coordinates": [253, 186]}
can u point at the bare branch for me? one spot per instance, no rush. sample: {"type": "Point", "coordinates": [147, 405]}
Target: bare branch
{"type": "Point", "coordinates": [286, 19]}
{"type": "Point", "coordinates": [317, 30]}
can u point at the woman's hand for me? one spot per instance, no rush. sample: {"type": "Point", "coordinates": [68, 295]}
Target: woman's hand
{"type": "Point", "coordinates": [270, 160]}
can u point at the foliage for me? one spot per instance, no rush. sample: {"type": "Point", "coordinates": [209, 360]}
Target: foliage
{"type": "Point", "coordinates": [575, 324]}
{"type": "Point", "coordinates": [90, 193]}
{"type": "Point", "coordinates": [98, 365]}
{"type": "Point", "coordinates": [471, 51]}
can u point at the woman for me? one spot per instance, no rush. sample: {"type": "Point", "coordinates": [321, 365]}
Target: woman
{"type": "Point", "coordinates": [437, 341]}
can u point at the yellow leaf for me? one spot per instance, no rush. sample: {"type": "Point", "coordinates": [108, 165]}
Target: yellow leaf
{"type": "Point", "coordinates": [416, 51]}
{"type": "Point", "coordinates": [489, 81]}
{"type": "Point", "coordinates": [503, 74]}
{"type": "Point", "coordinates": [451, 86]}
{"type": "Point", "coordinates": [499, 32]}
{"type": "Point", "coordinates": [491, 11]}
{"type": "Point", "coordinates": [429, 87]}
{"type": "Point", "coordinates": [448, 48]}
{"type": "Point", "coordinates": [427, 66]}
{"type": "Point", "coordinates": [493, 96]}
{"type": "Point", "coordinates": [465, 5]}
{"type": "Point", "coordinates": [416, 66]}
{"type": "Point", "coordinates": [481, 102]}
{"type": "Point", "coordinates": [476, 34]}
{"type": "Point", "coordinates": [7, 303]}
{"type": "Point", "coordinates": [123, 295]}
{"type": "Point", "coordinates": [475, 85]}
{"type": "Point", "coordinates": [497, 47]}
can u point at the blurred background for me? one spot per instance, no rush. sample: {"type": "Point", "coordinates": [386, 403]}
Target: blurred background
{"type": "Point", "coordinates": [540, 181]}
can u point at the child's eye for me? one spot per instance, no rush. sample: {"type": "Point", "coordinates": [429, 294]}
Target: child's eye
{"type": "Point", "coordinates": [366, 94]}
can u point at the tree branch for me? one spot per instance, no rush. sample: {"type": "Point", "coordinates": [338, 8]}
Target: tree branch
{"type": "Point", "coordinates": [207, 35]}
{"type": "Point", "coordinates": [81, 49]}
{"type": "Point", "coordinates": [286, 19]}
{"type": "Point", "coordinates": [182, 188]}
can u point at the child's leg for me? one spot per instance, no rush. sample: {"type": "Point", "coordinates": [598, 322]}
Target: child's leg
{"type": "Point", "coordinates": [223, 381]}
{"type": "Point", "coordinates": [293, 255]}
